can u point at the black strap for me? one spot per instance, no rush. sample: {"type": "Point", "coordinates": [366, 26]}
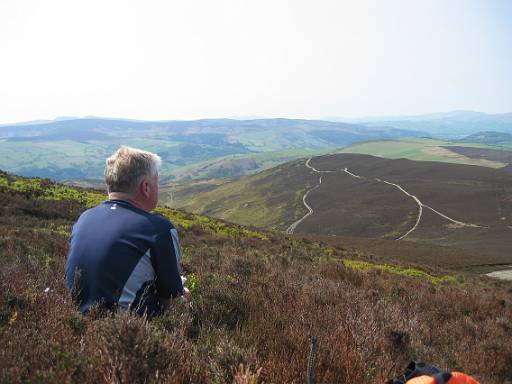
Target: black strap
{"type": "Point", "coordinates": [416, 369]}
{"type": "Point", "coordinates": [442, 377]}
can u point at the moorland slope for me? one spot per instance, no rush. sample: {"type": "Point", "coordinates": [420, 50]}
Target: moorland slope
{"type": "Point", "coordinates": [466, 207]}
{"type": "Point", "coordinates": [257, 298]}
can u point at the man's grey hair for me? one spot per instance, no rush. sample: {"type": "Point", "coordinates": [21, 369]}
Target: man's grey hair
{"type": "Point", "coordinates": [127, 166]}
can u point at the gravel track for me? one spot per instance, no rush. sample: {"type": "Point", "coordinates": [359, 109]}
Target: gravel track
{"type": "Point", "coordinates": [505, 274]}
{"type": "Point", "coordinates": [421, 205]}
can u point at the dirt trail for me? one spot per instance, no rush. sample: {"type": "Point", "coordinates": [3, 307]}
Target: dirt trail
{"type": "Point", "coordinates": [292, 227]}
{"type": "Point", "coordinates": [420, 208]}
{"type": "Point", "coordinates": [421, 205]}
{"type": "Point", "coordinates": [505, 274]}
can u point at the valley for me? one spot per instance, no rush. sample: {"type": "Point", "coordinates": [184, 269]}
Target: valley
{"type": "Point", "coordinates": [75, 149]}
{"type": "Point", "coordinates": [360, 180]}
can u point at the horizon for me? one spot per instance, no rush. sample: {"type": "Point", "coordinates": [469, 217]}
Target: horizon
{"type": "Point", "coordinates": [340, 119]}
{"type": "Point", "coordinates": [189, 61]}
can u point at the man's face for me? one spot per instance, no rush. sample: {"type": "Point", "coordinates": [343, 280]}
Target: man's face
{"type": "Point", "coordinates": [148, 193]}
{"type": "Point", "coordinates": [153, 192]}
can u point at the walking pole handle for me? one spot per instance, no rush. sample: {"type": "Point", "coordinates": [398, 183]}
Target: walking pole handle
{"type": "Point", "coordinates": [311, 359]}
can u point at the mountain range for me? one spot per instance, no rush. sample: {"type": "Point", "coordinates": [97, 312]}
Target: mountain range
{"type": "Point", "coordinates": [74, 149]}
{"type": "Point", "coordinates": [449, 125]}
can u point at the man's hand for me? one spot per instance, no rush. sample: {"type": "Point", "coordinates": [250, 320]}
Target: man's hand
{"type": "Point", "coordinates": [187, 296]}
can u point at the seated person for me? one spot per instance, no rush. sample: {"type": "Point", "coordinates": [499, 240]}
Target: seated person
{"type": "Point", "coordinates": [120, 254]}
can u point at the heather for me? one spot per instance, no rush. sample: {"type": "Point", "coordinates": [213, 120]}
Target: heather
{"type": "Point", "coordinates": [258, 296]}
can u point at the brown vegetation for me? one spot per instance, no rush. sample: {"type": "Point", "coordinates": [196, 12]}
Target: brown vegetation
{"type": "Point", "coordinates": [256, 301]}
{"type": "Point", "coordinates": [501, 155]}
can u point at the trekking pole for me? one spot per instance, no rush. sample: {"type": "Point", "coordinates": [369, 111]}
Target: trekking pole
{"type": "Point", "coordinates": [311, 359]}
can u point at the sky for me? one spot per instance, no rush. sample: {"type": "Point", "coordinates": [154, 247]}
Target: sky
{"type": "Point", "coordinates": [190, 59]}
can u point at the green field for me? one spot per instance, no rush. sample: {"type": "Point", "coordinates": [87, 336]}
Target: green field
{"type": "Point", "coordinates": [420, 150]}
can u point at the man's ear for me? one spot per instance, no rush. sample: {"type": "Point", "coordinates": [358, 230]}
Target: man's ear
{"type": "Point", "coordinates": [143, 188]}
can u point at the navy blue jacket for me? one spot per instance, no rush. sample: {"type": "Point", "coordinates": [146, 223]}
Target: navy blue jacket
{"type": "Point", "coordinates": [122, 256]}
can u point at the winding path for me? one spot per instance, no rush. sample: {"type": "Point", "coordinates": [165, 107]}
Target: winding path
{"type": "Point", "coordinates": [292, 227]}
{"type": "Point", "coordinates": [420, 208]}
{"type": "Point", "coordinates": [505, 274]}
{"type": "Point", "coordinates": [421, 205]}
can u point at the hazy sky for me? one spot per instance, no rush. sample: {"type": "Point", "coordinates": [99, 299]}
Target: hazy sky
{"type": "Point", "coordinates": [191, 59]}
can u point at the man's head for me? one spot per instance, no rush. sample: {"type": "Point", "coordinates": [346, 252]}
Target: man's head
{"type": "Point", "coordinates": [132, 174]}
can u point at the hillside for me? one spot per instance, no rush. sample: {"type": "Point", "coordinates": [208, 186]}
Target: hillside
{"type": "Point", "coordinates": [257, 298]}
{"type": "Point", "coordinates": [466, 207]}
{"type": "Point", "coordinates": [236, 165]}
{"type": "Point", "coordinates": [468, 153]}
{"type": "Point", "coordinates": [489, 137]}
{"type": "Point", "coordinates": [272, 198]}
{"type": "Point", "coordinates": [75, 149]}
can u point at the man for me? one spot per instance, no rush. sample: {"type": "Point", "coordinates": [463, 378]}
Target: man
{"type": "Point", "coordinates": [120, 255]}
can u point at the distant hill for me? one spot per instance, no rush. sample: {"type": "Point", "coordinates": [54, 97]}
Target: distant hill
{"type": "Point", "coordinates": [75, 149]}
{"type": "Point", "coordinates": [449, 125]}
{"type": "Point", "coordinates": [488, 137]}
{"type": "Point", "coordinates": [369, 206]}
{"type": "Point", "coordinates": [122, 128]}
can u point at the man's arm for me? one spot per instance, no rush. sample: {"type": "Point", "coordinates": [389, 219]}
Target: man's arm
{"type": "Point", "coordinates": [166, 262]}
{"type": "Point", "coordinates": [187, 296]}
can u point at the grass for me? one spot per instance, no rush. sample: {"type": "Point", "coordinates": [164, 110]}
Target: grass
{"type": "Point", "coordinates": [47, 190]}
{"type": "Point", "coordinates": [251, 203]}
{"type": "Point", "coordinates": [405, 226]}
{"type": "Point", "coordinates": [409, 272]}
{"type": "Point", "coordinates": [215, 227]}
{"type": "Point", "coordinates": [270, 199]}
{"type": "Point", "coordinates": [257, 298]}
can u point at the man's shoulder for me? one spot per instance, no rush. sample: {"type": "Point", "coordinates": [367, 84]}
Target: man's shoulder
{"type": "Point", "coordinates": [161, 222]}
{"type": "Point", "coordinates": [93, 211]}
{"type": "Point", "coordinates": [126, 214]}
{"type": "Point", "coordinates": [158, 221]}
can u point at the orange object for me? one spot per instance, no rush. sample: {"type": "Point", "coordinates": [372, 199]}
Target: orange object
{"type": "Point", "coordinates": [457, 378]}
